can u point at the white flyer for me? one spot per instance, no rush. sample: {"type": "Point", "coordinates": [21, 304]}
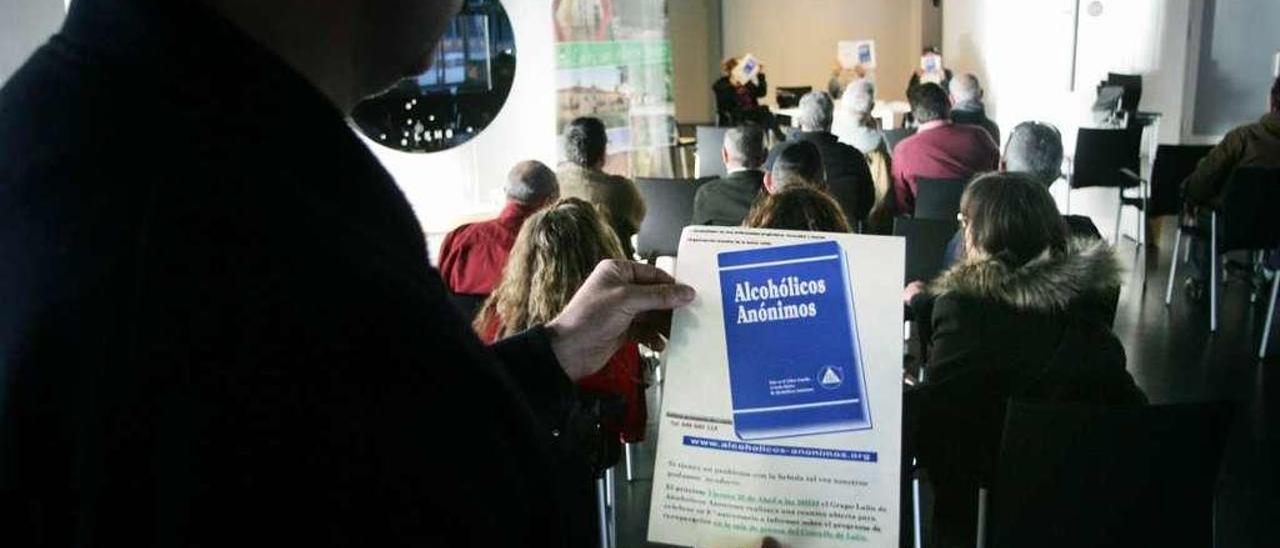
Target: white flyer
{"type": "Point", "coordinates": [782, 405]}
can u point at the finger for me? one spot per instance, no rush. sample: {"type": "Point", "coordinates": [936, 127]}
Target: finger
{"type": "Point", "coordinates": [638, 273]}
{"type": "Point", "coordinates": [637, 299]}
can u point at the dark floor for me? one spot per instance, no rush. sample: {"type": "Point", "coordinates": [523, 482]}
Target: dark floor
{"type": "Point", "coordinates": [1174, 358]}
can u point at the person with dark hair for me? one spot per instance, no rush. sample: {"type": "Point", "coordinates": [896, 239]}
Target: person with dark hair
{"type": "Point", "coordinates": [848, 177]}
{"type": "Point", "coordinates": [967, 107]}
{"type": "Point", "coordinates": [1250, 145]}
{"type": "Point", "coordinates": [798, 207]}
{"type": "Point", "coordinates": [582, 176]}
{"type": "Point", "coordinates": [793, 163]}
{"type": "Point", "coordinates": [473, 255]}
{"type": "Point", "coordinates": [1027, 315]}
{"type": "Point", "coordinates": [238, 340]}
{"type": "Point", "coordinates": [940, 149]}
{"type": "Point", "coordinates": [725, 201]}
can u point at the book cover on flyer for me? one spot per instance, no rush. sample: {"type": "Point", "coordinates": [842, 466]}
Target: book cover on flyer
{"type": "Point", "coordinates": [780, 295]}
{"type": "Point", "coordinates": [781, 408]}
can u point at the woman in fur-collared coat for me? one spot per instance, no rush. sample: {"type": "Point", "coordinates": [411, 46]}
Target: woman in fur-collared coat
{"type": "Point", "coordinates": [1027, 316]}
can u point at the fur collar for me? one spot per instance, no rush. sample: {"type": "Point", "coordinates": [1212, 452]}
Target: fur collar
{"type": "Point", "coordinates": [1046, 284]}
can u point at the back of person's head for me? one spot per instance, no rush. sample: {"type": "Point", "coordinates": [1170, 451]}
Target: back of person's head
{"type": "Point", "coordinates": [556, 250]}
{"type": "Point", "coordinates": [799, 207]}
{"type": "Point", "coordinates": [794, 163]}
{"type": "Point", "coordinates": [744, 146]}
{"type": "Point", "coordinates": [1275, 95]}
{"type": "Point", "coordinates": [965, 88]}
{"type": "Point", "coordinates": [532, 183]}
{"type": "Point", "coordinates": [928, 103]}
{"type": "Point", "coordinates": [1035, 149]}
{"type": "Point", "coordinates": [859, 97]}
{"type": "Point", "coordinates": [1011, 217]}
{"type": "Point", "coordinates": [815, 112]}
{"type": "Point", "coordinates": [585, 142]}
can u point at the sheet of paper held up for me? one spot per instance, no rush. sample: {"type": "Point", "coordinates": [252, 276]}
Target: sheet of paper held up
{"type": "Point", "coordinates": [782, 405]}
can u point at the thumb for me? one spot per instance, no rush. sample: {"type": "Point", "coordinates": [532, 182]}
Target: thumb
{"type": "Point", "coordinates": [643, 298]}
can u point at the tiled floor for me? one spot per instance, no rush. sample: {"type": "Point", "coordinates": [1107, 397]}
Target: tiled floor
{"type": "Point", "coordinates": [1175, 359]}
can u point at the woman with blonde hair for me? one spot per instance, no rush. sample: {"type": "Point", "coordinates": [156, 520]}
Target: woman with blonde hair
{"type": "Point", "coordinates": [553, 255]}
{"type": "Point", "coordinates": [798, 207]}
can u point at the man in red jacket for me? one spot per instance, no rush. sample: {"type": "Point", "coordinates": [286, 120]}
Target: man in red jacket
{"type": "Point", "coordinates": [473, 255]}
{"type": "Point", "coordinates": [940, 149]}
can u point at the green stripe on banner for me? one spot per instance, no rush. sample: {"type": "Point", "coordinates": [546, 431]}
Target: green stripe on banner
{"type": "Point", "coordinates": [571, 55]}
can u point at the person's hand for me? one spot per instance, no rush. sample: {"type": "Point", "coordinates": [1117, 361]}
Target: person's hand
{"type": "Point", "coordinates": [910, 292]}
{"type": "Point", "coordinates": [621, 300]}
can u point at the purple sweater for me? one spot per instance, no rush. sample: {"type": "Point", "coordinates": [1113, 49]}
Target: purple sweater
{"type": "Point", "coordinates": [945, 151]}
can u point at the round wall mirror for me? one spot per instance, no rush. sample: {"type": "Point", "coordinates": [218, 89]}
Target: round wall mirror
{"type": "Point", "coordinates": [455, 99]}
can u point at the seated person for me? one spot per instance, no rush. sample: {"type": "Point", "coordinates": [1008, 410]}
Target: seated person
{"type": "Point", "coordinates": [940, 149]}
{"type": "Point", "coordinates": [1250, 145]}
{"type": "Point", "coordinates": [967, 107]}
{"type": "Point", "coordinates": [582, 176]}
{"type": "Point", "coordinates": [798, 207]}
{"type": "Point", "coordinates": [841, 77]}
{"type": "Point", "coordinates": [855, 126]}
{"type": "Point", "coordinates": [556, 250]}
{"type": "Point", "coordinates": [725, 201]}
{"type": "Point", "coordinates": [1024, 317]}
{"type": "Point", "coordinates": [473, 255]}
{"type": "Point", "coordinates": [1035, 150]}
{"type": "Point", "coordinates": [793, 163]}
{"type": "Point", "coordinates": [738, 102]}
{"type": "Point", "coordinates": [848, 179]}
{"type": "Point", "coordinates": [920, 76]}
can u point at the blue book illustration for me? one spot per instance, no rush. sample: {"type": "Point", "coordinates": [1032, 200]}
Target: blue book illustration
{"type": "Point", "coordinates": [795, 367]}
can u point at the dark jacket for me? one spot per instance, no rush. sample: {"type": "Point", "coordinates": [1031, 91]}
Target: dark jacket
{"type": "Point", "coordinates": [729, 108]}
{"type": "Point", "coordinates": [726, 201]}
{"type": "Point", "coordinates": [1253, 145]}
{"type": "Point", "coordinates": [848, 176]}
{"type": "Point", "coordinates": [219, 326]}
{"type": "Point", "coordinates": [1040, 332]}
{"type": "Point", "coordinates": [976, 115]}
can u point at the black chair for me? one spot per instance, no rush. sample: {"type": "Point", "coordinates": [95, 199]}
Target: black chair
{"type": "Point", "coordinates": [789, 97]}
{"type": "Point", "coordinates": [669, 205]}
{"type": "Point", "coordinates": [1173, 164]}
{"type": "Point", "coordinates": [1079, 475]}
{"type": "Point", "coordinates": [894, 136]}
{"type": "Point", "coordinates": [1110, 158]}
{"type": "Point", "coordinates": [927, 241]}
{"type": "Point", "coordinates": [710, 143]}
{"type": "Point", "coordinates": [938, 198]}
{"type": "Point", "coordinates": [1246, 221]}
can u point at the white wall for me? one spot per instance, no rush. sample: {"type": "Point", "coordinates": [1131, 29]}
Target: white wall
{"type": "Point", "coordinates": [1022, 52]}
{"type": "Point", "coordinates": [447, 188]}
{"type": "Point", "coordinates": [796, 39]}
{"type": "Point", "coordinates": [24, 26]}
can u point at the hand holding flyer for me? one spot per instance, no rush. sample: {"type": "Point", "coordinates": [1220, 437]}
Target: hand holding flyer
{"type": "Point", "coordinates": [782, 406]}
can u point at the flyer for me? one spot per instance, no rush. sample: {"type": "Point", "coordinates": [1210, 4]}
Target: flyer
{"type": "Point", "coordinates": [782, 405]}
{"type": "Point", "coordinates": [855, 53]}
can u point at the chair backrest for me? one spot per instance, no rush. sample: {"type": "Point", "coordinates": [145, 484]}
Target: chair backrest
{"type": "Point", "coordinates": [789, 97]}
{"type": "Point", "coordinates": [1174, 163]}
{"type": "Point", "coordinates": [710, 143]}
{"type": "Point", "coordinates": [669, 208]}
{"type": "Point", "coordinates": [893, 136]}
{"type": "Point", "coordinates": [1080, 475]}
{"type": "Point", "coordinates": [927, 241]}
{"type": "Point", "coordinates": [938, 198]}
{"type": "Point", "coordinates": [1102, 153]}
{"type": "Point", "coordinates": [1249, 219]}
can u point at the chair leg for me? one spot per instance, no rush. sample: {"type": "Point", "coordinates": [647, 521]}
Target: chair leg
{"type": "Point", "coordinates": [1173, 266]}
{"type": "Point", "coordinates": [1213, 273]}
{"type": "Point", "coordinates": [915, 513]}
{"type": "Point", "coordinates": [612, 497]}
{"type": "Point", "coordinates": [602, 512]}
{"type": "Point", "coordinates": [1271, 311]}
{"type": "Point", "coordinates": [982, 518]}
{"type": "Point", "coordinates": [1115, 240]}
{"type": "Point", "coordinates": [626, 454]}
